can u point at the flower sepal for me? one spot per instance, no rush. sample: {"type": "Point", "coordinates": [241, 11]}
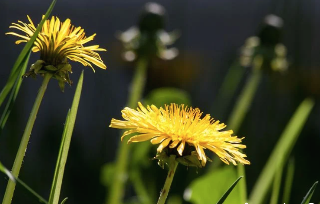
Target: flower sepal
{"type": "Point", "coordinates": [59, 72]}
{"type": "Point", "coordinates": [190, 160]}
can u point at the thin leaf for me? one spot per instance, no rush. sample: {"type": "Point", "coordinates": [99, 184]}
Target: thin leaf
{"type": "Point", "coordinates": [239, 112]}
{"type": "Point", "coordinates": [276, 186]}
{"type": "Point", "coordinates": [281, 151]}
{"type": "Point", "coordinates": [288, 181]}
{"type": "Point", "coordinates": [27, 48]}
{"type": "Point", "coordinates": [223, 198]}
{"type": "Point", "coordinates": [14, 94]}
{"type": "Point", "coordinates": [7, 172]}
{"type": "Point", "coordinates": [54, 182]}
{"type": "Point", "coordinates": [11, 177]}
{"type": "Point", "coordinates": [307, 198]}
{"type": "Point", "coordinates": [65, 144]}
{"type": "Point", "coordinates": [212, 185]}
{"type": "Point", "coordinates": [64, 200]}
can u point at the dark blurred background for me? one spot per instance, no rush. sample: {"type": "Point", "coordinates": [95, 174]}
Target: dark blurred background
{"type": "Point", "coordinates": [211, 34]}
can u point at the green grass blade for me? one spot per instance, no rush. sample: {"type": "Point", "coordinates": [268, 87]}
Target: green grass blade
{"type": "Point", "coordinates": [288, 181]}
{"type": "Point", "coordinates": [64, 200]}
{"type": "Point", "coordinates": [56, 171]}
{"type": "Point", "coordinates": [14, 94]}
{"type": "Point", "coordinates": [281, 151]}
{"type": "Point", "coordinates": [223, 198]}
{"type": "Point", "coordinates": [65, 144]}
{"type": "Point", "coordinates": [307, 198]}
{"type": "Point", "coordinates": [227, 90]}
{"type": "Point", "coordinates": [7, 172]}
{"type": "Point", "coordinates": [244, 102]}
{"type": "Point", "coordinates": [239, 112]}
{"type": "Point", "coordinates": [11, 177]}
{"type": "Point", "coordinates": [27, 48]}
{"type": "Point", "coordinates": [276, 185]}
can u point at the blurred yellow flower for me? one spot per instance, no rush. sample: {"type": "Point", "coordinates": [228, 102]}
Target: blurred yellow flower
{"type": "Point", "coordinates": [176, 127]}
{"type": "Point", "coordinates": [60, 40]}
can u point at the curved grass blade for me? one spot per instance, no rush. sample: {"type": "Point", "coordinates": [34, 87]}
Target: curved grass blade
{"type": "Point", "coordinates": [65, 144]}
{"type": "Point", "coordinates": [288, 181]}
{"type": "Point", "coordinates": [276, 185]}
{"type": "Point", "coordinates": [7, 172]}
{"type": "Point", "coordinates": [281, 151]}
{"type": "Point", "coordinates": [226, 194]}
{"type": "Point", "coordinates": [11, 177]}
{"type": "Point", "coordinates": [64, 200]}
{"type": "Point", "coordinates": [14, 93]}
{"type": "Point", "coordinates": [17, 65]}
{"type": "Point", "coordinates": [240, 110]}
{"type": "Point", "coordinates": [54, 182]}
{"type": "Point", "coordinates": [307, 198]}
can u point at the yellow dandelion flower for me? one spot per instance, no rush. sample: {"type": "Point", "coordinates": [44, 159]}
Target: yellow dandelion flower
{"type": "Point", "coordinates": [176, 127]}
{"type": "Point", "coordinates": [60, 40]}
{"type": "Point", "coordinates": [57, 42]}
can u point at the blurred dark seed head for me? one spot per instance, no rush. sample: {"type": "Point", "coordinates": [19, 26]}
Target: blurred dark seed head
{"type": "Point", "coordinates": [271, 31]}
{"type": "Point", "coordinates": [152, 18]}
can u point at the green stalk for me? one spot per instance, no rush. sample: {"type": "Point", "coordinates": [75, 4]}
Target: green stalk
{"type": "Point", "coordinates": [281, 151]}
{"type": "Point", "coordinates": [276, 185]}
{"type": "Point", "coordinates": [228, 89]}
{"type": "Point", "coordinates": [173, 164]}
{"type": "Point", "coordinates": [14, 93]}
{"type": "Point", "coordinates": [117, 188]}
{"type": "Point", "coordinates": [11, 177]}
{"type": "Point", "coordinates": [65, 144]}
{"type": "Point", "coordinates": [288, 181]}
{"type": "Point", "coordinates": [240, 110]}
{"type": "Point", "coordinates": [139, 187]}
{"type": "Point", "coordinates": [24, 141]}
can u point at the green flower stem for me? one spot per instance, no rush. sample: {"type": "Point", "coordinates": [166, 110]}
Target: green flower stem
{"type": "Point", "coordinates": [173, 164]}
{"type": "Point", "coordinates": [139, 187]}
{"type": "Point", "coordinates": [239, 112]}
{"type": "Point", "coordinates": [24, 141]}
{"type": "Point", "coordinates": [137, 86]}
{"type": "Point", "coordinates": [228, 88]}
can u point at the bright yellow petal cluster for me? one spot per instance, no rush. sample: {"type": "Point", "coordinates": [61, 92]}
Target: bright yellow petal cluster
{"type": "Point", "coordinates": [60, 40]}
{"type": "Point", "coordinates": [175, 126]}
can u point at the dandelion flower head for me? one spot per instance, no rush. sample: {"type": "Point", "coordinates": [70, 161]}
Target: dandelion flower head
{"type": "Point", "coordinates": [59, 40]}
{"type": "Point", "coordinates": [176, 127]}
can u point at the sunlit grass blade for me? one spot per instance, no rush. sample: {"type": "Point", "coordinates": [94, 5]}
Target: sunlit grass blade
{"type": "Point", "coordinates": [288, 181]}
{"type": "Point", "coordinates": [65, 144]}
{"type": "Point", "coordinates": [228, 89]}
{"type": "Point", "coordinates": [27, 48]}
{"type": "Point", "coordinates": [64, 200]}
{"type": "Point", "coordinates": [12, 178]}
{"type": "Point", "coordinates": [239, 112]}
{"type": "Point", "coordinates": [14, 93]}
{"type": "Point", "coordinates": [281, 151]}
{"type": "Point", "coordinates": [223, 198]}
{"type": "Point", "coordinates": [307, 198]}
{"type": "Point", "coordinates": [56, 171]}
{"type": "Point", "coordinates": [276, 185]}
{"type": "Point", "coordinates": [116, 190]}
{"type": "Point", "coordinates": [7, 172]}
